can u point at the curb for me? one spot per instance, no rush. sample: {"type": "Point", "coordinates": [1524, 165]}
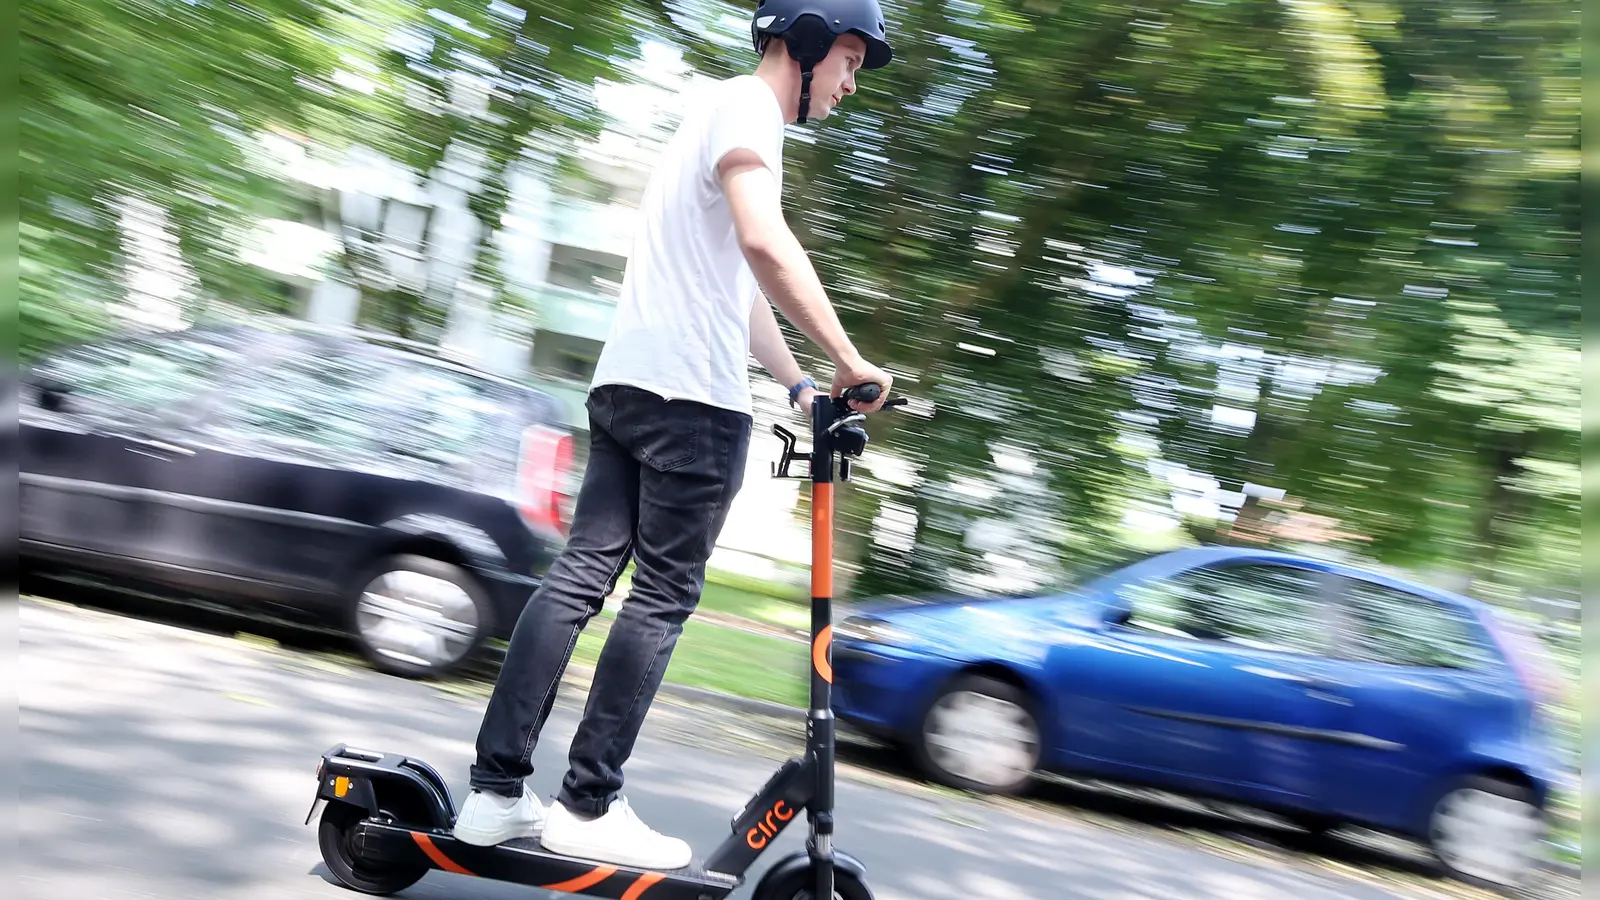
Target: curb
{"type": "Point", "coordinates": [733, 701]}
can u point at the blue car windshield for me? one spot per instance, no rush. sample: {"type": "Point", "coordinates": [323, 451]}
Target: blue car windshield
{"type": "Point", "coordinates": [1088, 570]}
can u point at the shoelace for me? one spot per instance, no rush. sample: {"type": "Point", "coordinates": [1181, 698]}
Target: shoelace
{"type": "Point", "coordinates": [633, 817]}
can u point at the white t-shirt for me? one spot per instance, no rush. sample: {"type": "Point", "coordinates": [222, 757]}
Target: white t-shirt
{"type": "Point", "coordinates": [682, 323]}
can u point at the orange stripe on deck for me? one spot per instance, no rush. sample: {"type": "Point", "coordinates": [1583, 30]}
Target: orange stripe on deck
{"type": "Point", "coordinates": [643, 884]}
{"type": "Point", "coordinates": [437, 855]}
{"type": "Point", "coordinates": [587, 880]}
{"type": "Point", "coordinates": [821, 539]}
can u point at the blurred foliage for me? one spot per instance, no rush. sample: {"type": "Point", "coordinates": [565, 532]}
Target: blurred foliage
{"type": "Point", "coordinates": [481, 82]}
{"type": "Point", "coordinates": [168, 105]}
{"type": "Point", "coordinates": [1328, 248]}
{"type": "Point", "coordinates": [1129, 257]}
{"type": "Point", "coordinates": [155, 102]}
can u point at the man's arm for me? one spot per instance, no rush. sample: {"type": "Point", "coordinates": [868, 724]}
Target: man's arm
{"type": "Point", "coordinates": [779, 262]}
{"type": "Point", "coordinates": [768, 346]}
{"type": "Point", "coordinates": [785, 272]}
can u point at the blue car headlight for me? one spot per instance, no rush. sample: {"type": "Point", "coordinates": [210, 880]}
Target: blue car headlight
{"type": "Point", "coordinates": [870, 630]}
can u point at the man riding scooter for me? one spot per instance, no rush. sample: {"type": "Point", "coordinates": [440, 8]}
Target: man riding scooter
{"type": "Point", "coordinates": [669, 423]}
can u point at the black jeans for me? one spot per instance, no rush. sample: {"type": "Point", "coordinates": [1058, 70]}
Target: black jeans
{"type": "Point", "coordinates": [660, 478]}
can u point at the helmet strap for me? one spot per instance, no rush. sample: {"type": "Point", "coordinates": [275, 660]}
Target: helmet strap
{"type": "Point", "coordinates": [805, 91]}
{"type": "Point", "coordinates": [809, 41]}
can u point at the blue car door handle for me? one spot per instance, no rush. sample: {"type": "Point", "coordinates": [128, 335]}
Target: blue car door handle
{"type": "Point", "coordinates": [1316, 687]}
{"type": "Point", "coordinates": [1315, 692]}
{"type": "Point", "coordinates": [1278, 674]}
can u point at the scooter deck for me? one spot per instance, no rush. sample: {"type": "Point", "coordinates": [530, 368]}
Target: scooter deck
{"type": "Point", "coordinates": [524, 861]}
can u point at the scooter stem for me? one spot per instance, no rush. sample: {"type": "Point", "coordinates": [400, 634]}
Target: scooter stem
{"type": "Point", "coordinates": [819, 718]}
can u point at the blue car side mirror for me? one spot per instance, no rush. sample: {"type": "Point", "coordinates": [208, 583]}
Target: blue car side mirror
{"type": "Point", "coordinates": [1118, 613]}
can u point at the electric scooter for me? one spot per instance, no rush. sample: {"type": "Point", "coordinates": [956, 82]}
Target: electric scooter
{"type": "Point", "coordinates": [388, 817]}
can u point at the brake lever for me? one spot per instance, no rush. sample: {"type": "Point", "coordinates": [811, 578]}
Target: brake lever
{"type": "Point", "coordinates": [851, 419]}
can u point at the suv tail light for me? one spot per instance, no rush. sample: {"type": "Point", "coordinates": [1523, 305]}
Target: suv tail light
{"type": "Point", "coordinates": [544, 470]}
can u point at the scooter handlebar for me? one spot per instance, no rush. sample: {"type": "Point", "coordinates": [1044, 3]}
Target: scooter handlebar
{"type": "Point", "coordinates": [869, 393]}
{"type": "Point", "coordinates": [845, 433]}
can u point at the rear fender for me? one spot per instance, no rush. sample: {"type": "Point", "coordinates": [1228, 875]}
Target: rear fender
{"type": "Point", "coordinates": [386, 784]}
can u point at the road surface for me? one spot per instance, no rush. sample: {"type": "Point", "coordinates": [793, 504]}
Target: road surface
{"type": "Point", "coordinates": [161, 762]}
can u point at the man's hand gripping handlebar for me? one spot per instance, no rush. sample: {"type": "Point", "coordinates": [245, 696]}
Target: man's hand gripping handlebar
{"type": "Point", "coordinates": [839, 427]}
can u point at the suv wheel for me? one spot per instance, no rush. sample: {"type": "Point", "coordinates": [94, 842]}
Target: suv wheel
{"type": "Point", "coordinates": [418, 617]}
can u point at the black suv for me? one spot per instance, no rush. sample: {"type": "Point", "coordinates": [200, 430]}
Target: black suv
{"type": "Point", "coordinates": [324, 477]}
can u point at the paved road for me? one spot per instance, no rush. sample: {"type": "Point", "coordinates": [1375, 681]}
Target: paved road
{"type": "Point", "coordinates": [159, 762]}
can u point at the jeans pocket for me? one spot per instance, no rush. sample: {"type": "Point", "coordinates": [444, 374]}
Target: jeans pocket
{"type": "Point", "coordinates": [668, 438]}
{"type": "Point", "coordinates": [601, 407]}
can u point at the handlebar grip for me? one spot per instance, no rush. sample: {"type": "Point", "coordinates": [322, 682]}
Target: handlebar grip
{"type": "Point", "coordinates": [866, 393]}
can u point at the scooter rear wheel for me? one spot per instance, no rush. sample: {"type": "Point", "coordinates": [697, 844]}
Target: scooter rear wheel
{"type": "Point", "coordinates": [801, 885]}
{"type": "Point", "coordinates": [335, 833]}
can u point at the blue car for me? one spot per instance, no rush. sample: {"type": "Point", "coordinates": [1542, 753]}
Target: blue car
{"type": "Point", "coordinates": [1322, 692]}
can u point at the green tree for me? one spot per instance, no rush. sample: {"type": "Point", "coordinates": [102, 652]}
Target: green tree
{"type": "Point", "coordinates": [166, 105]}
{"type": "Point", "coordinates": [495, 84]}
{"type": "Point", "coordinates": [1325, 247]}
{"type": "Point", "coordinates": [135, 101]}
{"type": "Point", "coordinates": [1128, 257]}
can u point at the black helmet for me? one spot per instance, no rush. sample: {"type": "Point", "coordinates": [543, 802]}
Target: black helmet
{"type": "Point", "coordinates": [809, 27]}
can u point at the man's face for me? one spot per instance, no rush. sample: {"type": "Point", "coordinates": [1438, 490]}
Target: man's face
{"type": "Point", "coordinates": [834, 78]}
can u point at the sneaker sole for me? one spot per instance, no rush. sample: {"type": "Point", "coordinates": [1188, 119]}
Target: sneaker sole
{"type": "Point", "coordinates": [492, 839]}
{"type": "Point", "coordinates": [592, 853]}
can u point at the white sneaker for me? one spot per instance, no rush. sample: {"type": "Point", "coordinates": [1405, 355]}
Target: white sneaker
{"type": "Point", "coordinates": [487, 818]}
{"type": "Point", "coordinates": [618, 837]}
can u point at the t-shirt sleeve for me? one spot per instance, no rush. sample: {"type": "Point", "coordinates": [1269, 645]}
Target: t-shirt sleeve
{"type": "Point", "coordinates": [743, 119]}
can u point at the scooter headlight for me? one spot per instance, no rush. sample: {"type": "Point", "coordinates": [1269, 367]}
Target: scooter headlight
{"type": "Point", "coordinates": [869, 630]}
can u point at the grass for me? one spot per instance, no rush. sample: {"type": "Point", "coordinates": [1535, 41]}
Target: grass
{"type": "Point", "coordinates": [760, 607]}
{"type": "Point", "coordinates": [1566, 838]}
{"type": "Point", "coordinates": [727, 659]}
{"type": "Point", "coordinates": [731, 594]}
{"type": "Point", "coordinates": [722, 659]}
{"type": "Point", "coordinates": [750, 584]}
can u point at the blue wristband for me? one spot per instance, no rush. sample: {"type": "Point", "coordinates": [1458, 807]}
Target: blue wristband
{"type": "Point", "coordinates": [794, 392]}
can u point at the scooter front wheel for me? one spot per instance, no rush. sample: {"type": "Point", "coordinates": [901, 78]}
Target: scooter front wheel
{"type": "Point", "coordinates": [335, 833]}
{"type": "Point", "coordinates": [801, 885]}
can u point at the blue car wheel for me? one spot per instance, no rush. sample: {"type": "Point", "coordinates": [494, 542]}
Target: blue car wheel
{"type": "Point", "coordinates": [979, 734]}
{"type": "Point", "coordinates": [1487, 832]}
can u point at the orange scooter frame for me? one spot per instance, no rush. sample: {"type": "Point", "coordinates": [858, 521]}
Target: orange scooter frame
{"type": "Point", "coordinates": [388, 817]}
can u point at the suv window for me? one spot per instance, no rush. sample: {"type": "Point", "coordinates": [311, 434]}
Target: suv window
{"type": "Point", "coordinates": [341, 402]}
{"type": "Point", "coordinates": [133, 379]}
{"type": "Point", "coordinates": [1405, 629]}
{"type": "Point", "coordinates": [443, 415]}
{"type": "Point", "coordinates": [306, 398]}
{"type": "Point", "coordinates": [1259, 606]}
